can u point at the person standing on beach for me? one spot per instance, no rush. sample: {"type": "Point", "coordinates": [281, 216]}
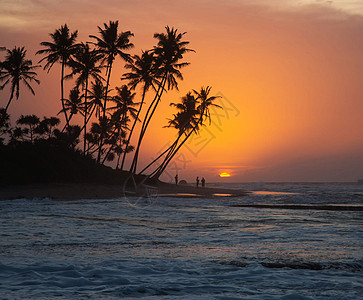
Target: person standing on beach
{"type": "Point", "coordinates": [197, 181]}
{"type": "Point", "coordinates": [203, 182]}
{"type": "Point", "coordinates": [176, 179]}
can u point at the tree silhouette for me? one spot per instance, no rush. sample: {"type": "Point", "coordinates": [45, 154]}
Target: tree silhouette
{"type": "Point", "coordinates": [84, 63]}
{"type": "Point", "coordinates": [125, 104]}
{"type": "Point", "coordinates": [4, 125]}
{"type": "Point", "coordinates": [31, 121]}
{"type": "Point", "coordinates": [15, 69]}
{"type": "Point", "coordinates": [96, 95]}
{"type": "Point", "coordinates": [184, 121]}
{"type": "Point", "coordinates": [73, 105]}
{"type": "Point", "coordinates": [111, 44]}
{"type": "Point", "coordinates": [62, 47]}
{"type": "Point", "coordinates": [47, 126]}
{"type": "Point", "coordinates": [188, 121]}
{"type": "Point", "coordinates": [143, 72]}
{"type": "Point", "coordinates": [168, 53]}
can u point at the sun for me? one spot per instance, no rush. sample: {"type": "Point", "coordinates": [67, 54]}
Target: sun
{"type": "Point", "coordinates": [224, 174]}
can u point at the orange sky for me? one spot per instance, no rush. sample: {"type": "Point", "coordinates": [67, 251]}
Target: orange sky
{"type": "Point", "coordinates": [290, 73]}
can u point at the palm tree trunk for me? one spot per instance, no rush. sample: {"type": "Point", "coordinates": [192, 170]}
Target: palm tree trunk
{"type": "Point", "coordinates": [104, 109]}
{"type": "Point", "coordinates": [160, 169]}
{"type": "Point", "coordinates": [62, 94]}
{"type": "Point", "coordinates": [85, 117]}
{"type": "Point", "coordinates": [109, 150]}
{"type": "Point", "coordinates": [169, 149]}
{"type": "Point", "coordinates": [65, 126]}
{"type": "Point", "coordinates": [156, 174]}
{"type": "Point", "coordinates": [119, 157]}
{"type": "Point", "coordinates": [146, 122]}
{"type": "Point", "coordinates": [11, 98]}
{"type": "Point", "coordinates": [133, 127]}
{"type": "Point", "coordinates": [107, 85]}
{"type": "Point", "coordinates": [89, 117]}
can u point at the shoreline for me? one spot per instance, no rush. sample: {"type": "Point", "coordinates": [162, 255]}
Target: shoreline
{"type": "Point", "coordinates": [78, 191]}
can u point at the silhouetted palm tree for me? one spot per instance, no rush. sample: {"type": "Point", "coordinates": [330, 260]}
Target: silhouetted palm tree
{"type": "Point", "coordinates": [84, 63]}
{"type": "Point", "coordinates": [206, 102]}
{"type": "Point", "coordinates": [125, 104]}
{"type": "Point", "coordinates": [74, 104]}
{"type": "Point", "coordinates": [61, 48]}
{"type": "Point", "coordinates": [183, 121]}
{"type": "Point", "coordinates": [190, 122]}
{"type": "Point", "coordinates": [168, 53]}
{"type": "Point", "coordinates": [96, 95]}
{"type": "Point", "coordinates": [142, 72]}
{"type": "Point", "coordinates": [111, 44]}
{"type": "Point", "coordinates": [15, 69]}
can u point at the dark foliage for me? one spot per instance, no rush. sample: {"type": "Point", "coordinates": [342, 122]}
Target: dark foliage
{"type": "Point", "coordinates": [46, 162]}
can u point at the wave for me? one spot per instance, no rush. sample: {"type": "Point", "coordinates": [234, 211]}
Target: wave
{"type": "Point", "coordinates": [298, 265]}
{"type": "Point", "coordinates": [304, 206]}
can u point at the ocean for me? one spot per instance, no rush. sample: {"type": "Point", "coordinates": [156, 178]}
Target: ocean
{"type": "Point", "coordinates": [187, 248]}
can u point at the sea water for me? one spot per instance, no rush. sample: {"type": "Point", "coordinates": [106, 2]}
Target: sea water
{"type": "Point", "coordinates": [186, 248]}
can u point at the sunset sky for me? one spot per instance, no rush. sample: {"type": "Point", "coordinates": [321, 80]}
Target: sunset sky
{"type": "Point", "coordinates": [289, 73]}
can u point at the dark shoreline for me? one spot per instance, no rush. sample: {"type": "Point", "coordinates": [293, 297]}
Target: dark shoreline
{"type": "Point", "coordinates": [76, 191]}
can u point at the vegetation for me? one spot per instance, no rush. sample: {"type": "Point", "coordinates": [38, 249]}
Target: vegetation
{"type": "Point", "coordinates": [42, 151]}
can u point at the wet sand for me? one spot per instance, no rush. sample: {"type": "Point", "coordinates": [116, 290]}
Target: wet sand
{"type": "Point", "coordinates": [71, 191]}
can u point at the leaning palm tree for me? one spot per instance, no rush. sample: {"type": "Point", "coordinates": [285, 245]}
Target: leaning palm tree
{"type": "Point", "coordinates": [111, 44]}
{"type": "Point", "coordinates": [168, 53]}
{"type": "Point", "coordinates": [205, 102]}
{"type": "Point", "coordinates": [84, 63]}
{"type": "Point", "coordinates": [184, 121]}
{"type": "Point", "coordinates": [60, 49]}
{"type": "Point", "coordinates": [15, 69]}
{"type": "Point", "coordinates": [143, 72]}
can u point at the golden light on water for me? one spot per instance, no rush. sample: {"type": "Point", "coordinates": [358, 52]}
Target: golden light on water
{"type": "Point", "coordinates": [224, 174]}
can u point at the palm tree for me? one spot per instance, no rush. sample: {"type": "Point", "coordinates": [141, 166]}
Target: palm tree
{"type": "Point", "coordinates": [96, 95]}
{"type": "Point", "coordinates": [73, 105]}
{"type": "Point", "coordinates": [62, 47]}
{"type": "Point", "coordinates": [168, 53]}
{"type": "Point", "coordinates": [15, 69]}
{"type": "Point", "coordinates": [205, 102]}
{"type": "Point", "coordinates": [124, 101]}
{"type": "Point", "coordinates": [142, 72]}
{"type": "Point", "coordinates": [84, 63]}
{"type": "Point", "coordinates": [111, 44]}
{"type": "Point", "coordinates": [184, 121]}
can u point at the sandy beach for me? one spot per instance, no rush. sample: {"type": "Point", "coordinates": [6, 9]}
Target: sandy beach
{"type": "Point", "coordinates": [73, 191]}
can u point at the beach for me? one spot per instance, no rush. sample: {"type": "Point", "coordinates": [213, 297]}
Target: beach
{"type": "Point", "coordinates": [74, 191]}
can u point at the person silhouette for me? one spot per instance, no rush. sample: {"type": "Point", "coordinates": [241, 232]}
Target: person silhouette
{"type": "Point", "coordinates": [176, 179]}
{"type": "Point", "coordinates": [197, 181]}
{"type": "Point", "coordinates": [203, 182]}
